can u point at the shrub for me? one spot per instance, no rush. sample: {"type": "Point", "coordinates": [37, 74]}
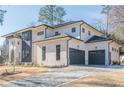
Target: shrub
{"type": "Point", "coordinates": [1, 60]}
{"type": "Point", "coordinates": [116, 63]}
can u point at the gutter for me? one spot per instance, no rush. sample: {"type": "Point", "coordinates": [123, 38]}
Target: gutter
{"type": "Point", "coordinates": [46, 30]}
{"type": "Point", "coordinates": [81, 29]}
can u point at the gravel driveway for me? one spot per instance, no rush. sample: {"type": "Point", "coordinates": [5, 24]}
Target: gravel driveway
{"type": "Point", "coordinates": [58, 76]}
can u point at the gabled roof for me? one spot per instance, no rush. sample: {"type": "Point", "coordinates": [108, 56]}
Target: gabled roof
{"type": "Point", "coordinates": [98, 39]}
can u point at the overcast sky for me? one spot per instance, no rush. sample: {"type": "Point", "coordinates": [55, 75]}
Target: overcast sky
{"type": "Point", "coordinates": [19, 17]}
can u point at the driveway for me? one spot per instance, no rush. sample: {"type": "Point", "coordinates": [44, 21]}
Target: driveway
{"type": "Point", "coordinates": [58, 76]}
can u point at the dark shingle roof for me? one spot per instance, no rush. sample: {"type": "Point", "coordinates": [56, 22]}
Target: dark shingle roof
{"type": "Point", "coordinates": [98, 39]}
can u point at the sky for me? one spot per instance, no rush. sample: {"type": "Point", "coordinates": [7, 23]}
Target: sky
{"type": "Point", "coordinates": [20, 16]}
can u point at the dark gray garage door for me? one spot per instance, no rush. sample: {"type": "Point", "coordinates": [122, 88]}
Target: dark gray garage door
{"type": "Point", "coordinates": [76, 56]}
{"type": "Point", "coordinates": [97, 57]}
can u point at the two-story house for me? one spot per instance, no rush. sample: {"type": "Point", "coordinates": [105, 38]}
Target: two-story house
{"type": "Point", "coordinates": [74, 42]}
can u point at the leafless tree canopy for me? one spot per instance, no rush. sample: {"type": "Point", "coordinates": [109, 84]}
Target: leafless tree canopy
{"type": "Point", "coordinates": [116, 17]}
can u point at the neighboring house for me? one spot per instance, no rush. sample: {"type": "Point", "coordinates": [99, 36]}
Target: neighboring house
{"type": "Point", "coordinates": [74, 42]}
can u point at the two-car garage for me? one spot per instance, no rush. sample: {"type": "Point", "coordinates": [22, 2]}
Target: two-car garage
{"type": "Point", "coordinates": [95, 57]}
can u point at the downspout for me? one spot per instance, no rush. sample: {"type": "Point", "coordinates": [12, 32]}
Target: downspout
{"type": "Point", "coordinates": [109, 51]}
{"type": "Point", "coordinates": [80, 30]}
{"type": "Point", "coordinates": [68, 52]}
{"type": "Point", "coordinates": [45, 31]}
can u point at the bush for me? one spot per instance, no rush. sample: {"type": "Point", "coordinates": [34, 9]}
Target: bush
{"type": "Point", "coordinates": [116, 63]}
{"type": "Point", "coordinates": [1, 60]}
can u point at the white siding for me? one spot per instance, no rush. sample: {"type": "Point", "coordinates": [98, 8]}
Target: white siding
{"type": "Point", "coordinates": [97, 46]}
{"type": "Point", "coordinates": [85, 36]}
{"type": "Point", "coordinates": [66, 30]}
{"type": "Point", "coordinates": [115, 52]}
{"type": "Point", "coordinates": [17, 49]}
{"type": "Point", "coordinates": [35, 36]}
{"type": "Point", "coordinates": [51, 54]}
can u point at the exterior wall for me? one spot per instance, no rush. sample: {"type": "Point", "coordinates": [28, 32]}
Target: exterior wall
{"type": "Point", "coordinates": [68, 30]}
{"type": "Point", "coordinates": [35, 31]}
{"type": "Point", "coordinates": [50, 32]}
{"type": "Point", "coordinates": [97, 46]}
{"type": "Point", "coordinates": [0, 52]}
{"type": "Point", "coordinates": [85, 36]}
{"type": "Point", "coordinates": [115, 52]}
{"type": "Point", "coordinates": [51, 53]}
{"type": "Point", "coordinates": [15, 44]}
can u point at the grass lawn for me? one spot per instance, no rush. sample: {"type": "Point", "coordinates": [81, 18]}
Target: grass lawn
{"type": "Point", "coordinates": [22, 72]}
{"type": "Point", "coordinates": [108, 79]}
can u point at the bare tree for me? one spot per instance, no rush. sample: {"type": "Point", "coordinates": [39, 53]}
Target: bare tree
{"type": "Point", "coordinates": [100, 25]}
{"type": "Point", "coordinates": [114, 21]}
{"type": "Point", "coordinates": [106, 10]}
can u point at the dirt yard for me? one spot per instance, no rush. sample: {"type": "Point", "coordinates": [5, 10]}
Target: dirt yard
{"type": "Point", "coordinates": [21, 72]}
{"type": "Point", "coordinates": [109, 79]}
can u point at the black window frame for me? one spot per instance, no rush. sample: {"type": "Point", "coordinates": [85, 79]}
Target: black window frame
{"type": "Point", "coordinates": [57, 33]}
{"type": "Point", "coordinates": [40, 33]}
{"type": "Point", "coordinates": [89, 33]}
{"type": "Point", "coordinates": [112, 49]}
{"type": "Point", "coordinates": [58, 52]}
{"type": "Point", "coordinates": [73, 30]}
{"type": "Point", "coordinates": [83, 30]}
{"type": "Point", "coordinates": [27, 46]}
{"type": "Point", "coordinates": [43, 53]}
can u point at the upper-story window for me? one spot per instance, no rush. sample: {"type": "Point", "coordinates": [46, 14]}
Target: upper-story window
{"type": "Point", "coordinates": [27, 35]}
{"type": "Point", "coordinates": [57, 33]}
{"type": "Point", "coordinates": [73, 29]}
{"type": "Point", "coordinates": [112, 49]}
{"type": "Point", "coordinates": [83, 30]}
{"type": "Point", "coordinates": [89, 33]}
{"type": "Point", "coordinates": [40, 33]}
{"type": "Point", "coordinates": [18, 42]}
{"type": "Point", "coordinates": [117, 50]}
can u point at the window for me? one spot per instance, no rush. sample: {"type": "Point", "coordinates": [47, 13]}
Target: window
{"type": "Point", "coordinates": [117, 50]}
{"type": "Point", "coordinates": [73, 30]}
{"type": "Point", "coordinates": [26, 36]}
{"type": "Point", "coordinates": [112, 49]}
{"type": "Point", "coordinates": [83, 30]}
{"type": "Point", "coordinates": [27, 46]}
{"type": "Point", "coordinates": [18, 43]}
{"type": "Point", "coordinates": [57, 52]}
{"type": "Point", "coordinates": [40, 33]}
{"type": "Point", "coordinates": [43, 53]}
{"type": "Point", "coordinates": [12, 43]}
{"type": "Point", "coordinates": [57, 33]}
{"type": "Point", "coordinates": [89, 33]}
